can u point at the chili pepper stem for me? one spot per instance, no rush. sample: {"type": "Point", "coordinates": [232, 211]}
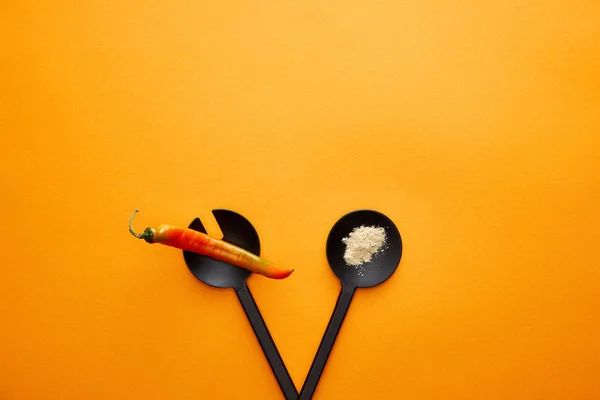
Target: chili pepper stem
{"type": "Point", "coordinates": [137, 235]}
{"type": "Point", "coordinates": [147, 235]}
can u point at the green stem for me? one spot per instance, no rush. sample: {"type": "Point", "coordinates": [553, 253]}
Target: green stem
{"type": "Point", "coordinates": [137, 235]}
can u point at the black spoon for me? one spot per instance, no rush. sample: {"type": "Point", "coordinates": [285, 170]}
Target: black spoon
{"type": "Point", "coordinates": [373, 273]}
{"type": "Point", "coordinates": [239, 231]}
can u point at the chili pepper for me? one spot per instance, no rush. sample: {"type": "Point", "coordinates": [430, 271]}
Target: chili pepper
{"type": "Point", "coordinates": [201, 243]}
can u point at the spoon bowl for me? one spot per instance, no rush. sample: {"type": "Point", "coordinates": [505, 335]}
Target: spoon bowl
{"type": "Point", "coordinates": [382, 264]}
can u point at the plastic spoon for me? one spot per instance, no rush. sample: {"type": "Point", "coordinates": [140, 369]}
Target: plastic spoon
{"type": "Point", "coordinates": [239, 231]}
{"type": "Point", "coordinates": [373, 273]}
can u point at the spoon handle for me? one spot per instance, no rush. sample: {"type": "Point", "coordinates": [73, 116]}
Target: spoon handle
{"type": "Point", "coordinates": [335, 323]}
{"type": "Point", "coordinates": [266, 342]}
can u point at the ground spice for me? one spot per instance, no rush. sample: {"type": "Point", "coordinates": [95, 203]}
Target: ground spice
{"type": "Point", "coordinates": [362, 243]}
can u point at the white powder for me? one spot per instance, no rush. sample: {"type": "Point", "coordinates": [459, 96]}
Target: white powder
{"type": "Point", "coordinates": [362, 243]}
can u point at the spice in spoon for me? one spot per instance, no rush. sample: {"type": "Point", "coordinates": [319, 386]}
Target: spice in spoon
{"type": "Point", "coordinates": [198, 242]}
{"type": "Point", "coordinates": [362, 243]}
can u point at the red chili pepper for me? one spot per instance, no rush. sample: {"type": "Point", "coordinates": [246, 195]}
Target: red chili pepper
{"type": "Point", "coordinates": [201, 243]}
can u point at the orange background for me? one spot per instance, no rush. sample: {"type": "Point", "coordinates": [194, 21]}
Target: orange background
{"type": "Point", "coordinates": [474, 125]}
